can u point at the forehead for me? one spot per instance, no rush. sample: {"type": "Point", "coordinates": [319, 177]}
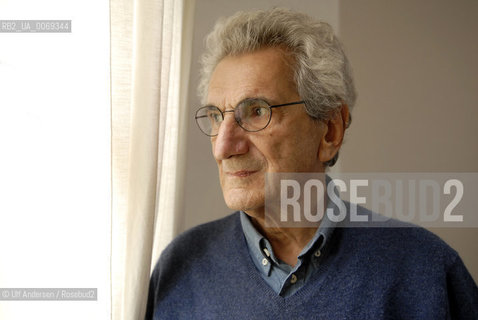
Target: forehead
{"type": "Point", "coordinates": [266, 73]}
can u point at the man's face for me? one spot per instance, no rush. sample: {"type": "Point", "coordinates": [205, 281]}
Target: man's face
{"type": "Point", "coordinates": [290, 142]}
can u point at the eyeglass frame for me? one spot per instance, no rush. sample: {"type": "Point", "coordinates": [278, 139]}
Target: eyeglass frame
{"type": "Point", "coordinates": [233, 110]}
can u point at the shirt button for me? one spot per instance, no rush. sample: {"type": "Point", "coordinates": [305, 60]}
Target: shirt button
{"type": "Point", "coordinates": [293, 279]}
{"type": "Point", "coordinates": [317, 253]}
{"type": "Point", "coordinates": [264, 262]}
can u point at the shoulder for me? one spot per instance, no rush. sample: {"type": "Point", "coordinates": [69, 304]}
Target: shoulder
{"type": "Point", "coordinates": [188, 260]}
{"type": "Point", "coordinates": [393, 241]}
{"type": "Point", "coordinates": [416, 263]}
{"type": "Point", "coordinates": [199, 247]}
{"type": "Point", "coordinates": [205, 237]}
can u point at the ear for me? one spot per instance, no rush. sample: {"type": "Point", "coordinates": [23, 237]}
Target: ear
{"type": "Point", "coordinates": [334, 133]}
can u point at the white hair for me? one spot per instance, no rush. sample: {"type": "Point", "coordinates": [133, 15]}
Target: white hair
{"type": "Point", "coordinates": [322, 72]}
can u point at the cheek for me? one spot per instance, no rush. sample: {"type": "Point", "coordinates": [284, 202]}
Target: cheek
{"type": "Point", "coordinates": [293, 153]}
{"type": "Point", "coordinates": [276, 151]}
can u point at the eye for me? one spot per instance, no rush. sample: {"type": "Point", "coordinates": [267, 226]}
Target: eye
{"type": "Point", "coordinates": [214, 116]}
{"type": "Point", "coordinates": [252, 114]}
{"type": "Point", "coordinates": [217, 117]}
{"type": "Point", "coordinates": [259, 111]}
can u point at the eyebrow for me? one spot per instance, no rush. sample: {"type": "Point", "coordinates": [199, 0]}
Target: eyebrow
{"type": "Point", "coordinates": [241, 101]}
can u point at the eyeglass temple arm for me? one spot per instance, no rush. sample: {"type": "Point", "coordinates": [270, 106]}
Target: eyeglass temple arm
{"type": "Point", "coordinates": [287, 104]}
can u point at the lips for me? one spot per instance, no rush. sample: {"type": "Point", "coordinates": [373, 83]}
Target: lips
{"type": "Point", "coordinates": [241, 173]}
{"type": "Point", "coordinates": [240, 167]}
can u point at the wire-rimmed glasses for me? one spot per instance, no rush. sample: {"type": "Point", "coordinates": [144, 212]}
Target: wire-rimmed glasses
{"type": "Point", "coordinates": [251, 114]}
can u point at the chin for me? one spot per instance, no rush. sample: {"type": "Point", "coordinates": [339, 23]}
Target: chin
{"type": "Point", "coordinates": [244, 199]}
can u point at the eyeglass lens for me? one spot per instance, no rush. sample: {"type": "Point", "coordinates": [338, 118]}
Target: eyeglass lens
{"type": "Point", "coordinates": [250, 114]}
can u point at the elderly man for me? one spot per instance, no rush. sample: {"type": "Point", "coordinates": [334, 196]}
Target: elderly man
{"type": "Point", "coordinates": [278, 91]}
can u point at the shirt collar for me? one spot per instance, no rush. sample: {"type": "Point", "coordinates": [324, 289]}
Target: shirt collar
{"type": "Point", "coordinates": [254, 239]}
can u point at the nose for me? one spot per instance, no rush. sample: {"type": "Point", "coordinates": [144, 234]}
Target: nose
{"type": "Point", "coordinates": [231, 139]}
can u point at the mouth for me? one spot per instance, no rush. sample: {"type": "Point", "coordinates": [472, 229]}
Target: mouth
{"type": "Point", "coordinates": [241, 173]}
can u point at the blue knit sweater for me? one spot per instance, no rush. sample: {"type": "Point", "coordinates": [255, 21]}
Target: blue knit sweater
{"type": "Point", "coordinates": [368, 273]}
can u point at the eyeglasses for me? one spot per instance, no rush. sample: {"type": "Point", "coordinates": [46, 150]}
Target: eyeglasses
{"type": "Point", "coordinates": [250, 114]}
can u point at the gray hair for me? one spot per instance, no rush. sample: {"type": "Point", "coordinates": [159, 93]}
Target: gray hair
{"type": "Point", "coordinates": [322, 72]}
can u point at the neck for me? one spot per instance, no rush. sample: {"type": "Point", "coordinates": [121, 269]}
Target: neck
{"type": "Point", "coordinates": [287, 243]}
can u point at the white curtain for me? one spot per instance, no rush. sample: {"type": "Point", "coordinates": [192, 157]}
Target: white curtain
{"type": "Point", "coordinates": [150, 60]}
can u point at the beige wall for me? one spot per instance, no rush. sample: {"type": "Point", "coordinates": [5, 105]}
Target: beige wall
{"type": "Point", "coordinates": [416, 72]}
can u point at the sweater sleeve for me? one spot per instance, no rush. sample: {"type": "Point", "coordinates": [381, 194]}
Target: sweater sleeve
{"type": "Point", "coordinates": [462, 292]}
